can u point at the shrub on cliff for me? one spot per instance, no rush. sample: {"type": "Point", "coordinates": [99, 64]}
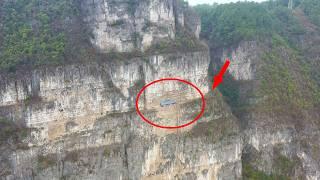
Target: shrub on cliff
{"type": "Point", "coordinates": [12, 133]}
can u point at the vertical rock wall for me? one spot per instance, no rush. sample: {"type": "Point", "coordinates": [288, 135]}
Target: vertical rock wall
{"type": "Point", "coordinates": [126, 25]}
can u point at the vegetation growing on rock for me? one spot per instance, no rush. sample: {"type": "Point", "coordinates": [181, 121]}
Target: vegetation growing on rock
{"type": "Point", "coordinates": [284, 90]}
{"type": "Point", "coordinates": [228, 24]}
{"type": "Point", "coordinates": [11, 133]}
{"type": "Point", "coordinates": [35, 33]}
{"type": "Point", "coordinates": [46, 161]}
{"type": "Point", "coordinates": [274, 25]}
{"type": "Point", "coordinates": [311, 9]}
{"type": "Point", "coordinates": [249, 173]}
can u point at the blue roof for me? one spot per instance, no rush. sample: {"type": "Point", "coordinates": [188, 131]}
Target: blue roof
{"type": "Point", "coordinates": [167, 102]}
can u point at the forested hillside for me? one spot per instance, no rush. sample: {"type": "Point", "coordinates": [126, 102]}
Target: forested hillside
{"type": "Point", "coordinates": [273, 24]}
{"type": "Point", "coordinates": [228, 24]}
{"type": "Point", "coordinates": [40, 32]}
{"type": "Point", "coordinates": [274, 79]}
{"type": "Point", "coordinates": [64, 118]}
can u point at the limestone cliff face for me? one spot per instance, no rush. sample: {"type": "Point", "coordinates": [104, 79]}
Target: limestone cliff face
{"type": "Point", "coordinates": [274, 134]}
{"type": "Point", "coordinates": [55, 96]}
{"type": "Point", "coordinates": [244, 59]}
{"type": "Point", "coordinates": [125, 25]}
{"type": "Point", "coordinates": [119, 147]}
{"type": "Point", "coordinates": [80, 118]}
{"type": "Point", "coordinates": [84, 125]}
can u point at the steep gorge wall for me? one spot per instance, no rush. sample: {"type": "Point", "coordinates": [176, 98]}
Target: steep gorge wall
{"type": "Point", "coordinates": [79, 94]}
{"type": "Point", "coordinates": [280, 136]}
{"type": "Point", "coordinates": [127, 25]}
{"type": "Point", "coordinates": [84, 125]}
{"type": "Point", "coordinates": [116, 148]}
{"type": "Point", "coordinates": [81, 118]}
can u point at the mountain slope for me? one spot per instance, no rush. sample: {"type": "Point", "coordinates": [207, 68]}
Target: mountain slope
{"type": "Point", "coordinates": [273, 85]}
{"type": "Point", "coordinates": [71, 72]}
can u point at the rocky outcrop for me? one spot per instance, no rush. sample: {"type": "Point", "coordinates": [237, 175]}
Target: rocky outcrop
{"type": "Point", "coordinates": [84, 125]}
{"type": "Point", "coordinates": [127, 25]}
{"type": "Point", "coordinates": [244, 58]}
{"type": "Point", "coordinates": [55, 96]}
{"type": "Point", "coordinates": [275, 142]}
{"type": "Point", "coordinates": [80, 120]}
{"type": "Point", "coordinates": [119, 147]}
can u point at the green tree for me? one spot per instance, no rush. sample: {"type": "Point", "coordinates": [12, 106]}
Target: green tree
{"type": "Point", "coordinates": [230, 23]}
{"type": "Point", "coordinates": [35, 32]}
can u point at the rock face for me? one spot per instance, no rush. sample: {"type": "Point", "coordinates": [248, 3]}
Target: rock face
{"type": "Point", "coordinates": [84, 125]}
{"type": "Point", "coordinates": [243, 60]}
{"type": "Point", "coordinates": [79, 94]}
{"type": "Point", "coordinates": [275, 142]}
{"type": "Point", "coordinates": [118, 148]}
{"type": "Point", "coordinates": [82, 122]}
{"type": "Point", "coordinates": [126, 25]}
{"type": "Point", "coordinates": [81, 118]}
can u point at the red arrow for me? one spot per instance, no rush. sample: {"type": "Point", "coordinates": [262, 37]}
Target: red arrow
{"type": "Point", "coordinates": [217, 80]}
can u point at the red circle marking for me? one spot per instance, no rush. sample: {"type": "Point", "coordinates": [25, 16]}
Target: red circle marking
{"type": "Point", "coordinates": [170, 127]}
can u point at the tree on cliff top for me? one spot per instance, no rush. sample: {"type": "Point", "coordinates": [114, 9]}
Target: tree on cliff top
{"type": "Point", "coordinates": [38, 32]}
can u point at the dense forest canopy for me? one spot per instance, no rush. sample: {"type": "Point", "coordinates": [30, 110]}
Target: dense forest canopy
{"type": "Point", "coordinates": [227, 24]}
{"type": "Point", "coordinates": [312, 9]}
{"type": "Point", "coordinates": [36, 32]}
